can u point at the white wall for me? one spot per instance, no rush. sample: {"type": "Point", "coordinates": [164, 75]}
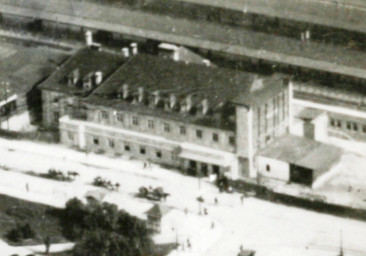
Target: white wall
{"type": "Point", "coordinates": [278, 169]}
{"type": "Point", "coordinates": [321, 128]}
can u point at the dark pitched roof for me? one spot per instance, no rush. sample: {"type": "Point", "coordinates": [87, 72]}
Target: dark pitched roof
{"type": "Point", "coordinates": [260, 90]}
{"type": "Point", "coordinates": [218, 85]}
{"type": "Point", "coordinates": [83, 63]}
{"type": "Point", "coordinates": [156, 73]}
{"type": "Point", "coordinates": [23, 67]}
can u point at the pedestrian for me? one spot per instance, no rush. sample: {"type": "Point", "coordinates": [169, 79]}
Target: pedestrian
{"type": "Point", "coordinates": [241, 248]}
{"type": "Point", "coordinates": [145, 165]}
{"type": "Point", "coordinates": [188, 244]}
{"type": "Point", "coordinates": [205, 211]}
{"type": "Point", "coordinates": [212, 225]}
{"type": "Point", "coordinates": [216, 201]}
{"type": "Point", "coordinates": [242, 199]}
{"type": "Point", "coordinates": [117, 186]}
{"type": "Point", "coordinates": [27, 187]}
{"type": "Point", "coordinates": [47, 243]}
{"type": "Point", "coordinates": [185, 211]}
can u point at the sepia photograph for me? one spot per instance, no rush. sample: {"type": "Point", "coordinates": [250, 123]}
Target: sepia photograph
{"type": "Point", "coordinates": [183, 127]}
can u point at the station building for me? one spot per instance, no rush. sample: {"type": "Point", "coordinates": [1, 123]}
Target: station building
{"type": "Point", "coordinates": [200, 119]}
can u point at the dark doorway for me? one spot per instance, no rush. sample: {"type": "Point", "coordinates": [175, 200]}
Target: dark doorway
{"type": "Point", "coordinates": [216, 170]}
{"type": "Point", "coordinates": [192, 168]}
{"type": "Point", "coordinates": [301, 175]}
{"type": "Point", "coordinates": [204, 169]}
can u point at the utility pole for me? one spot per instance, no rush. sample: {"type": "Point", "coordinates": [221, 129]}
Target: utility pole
{"type": "Point", "coordinates": [341, 246]}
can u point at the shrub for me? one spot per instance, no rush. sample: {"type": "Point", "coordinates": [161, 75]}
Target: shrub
{"type": "Point", "coordinates": [20, 232]}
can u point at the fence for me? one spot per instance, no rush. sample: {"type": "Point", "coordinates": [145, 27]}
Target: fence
{"type": "Point", "coordinates": [305, 203]}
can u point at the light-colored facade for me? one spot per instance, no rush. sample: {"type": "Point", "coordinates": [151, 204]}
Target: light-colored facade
{"type": "Point", "coordinates": [260, 113]}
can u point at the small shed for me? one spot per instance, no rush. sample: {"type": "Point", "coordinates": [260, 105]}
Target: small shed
{"type": "Point", "coordinates": [154, 216]}
{"type": "Point", "coordinates": [95, 196]}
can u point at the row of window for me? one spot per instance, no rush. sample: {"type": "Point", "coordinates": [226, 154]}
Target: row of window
{"type": "Point", "coordinates": [167, 128]}
{"type": "Point", "coordinates": [352, 126]}
{"type": "Point", "coordinates": [127, 147]}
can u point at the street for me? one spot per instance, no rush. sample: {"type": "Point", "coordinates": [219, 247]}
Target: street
{"type": "Point", "coordinates": [268, 228]}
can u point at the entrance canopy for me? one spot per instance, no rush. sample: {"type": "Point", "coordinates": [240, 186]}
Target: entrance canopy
{"type": "Point", "coordinates": [206, 155]}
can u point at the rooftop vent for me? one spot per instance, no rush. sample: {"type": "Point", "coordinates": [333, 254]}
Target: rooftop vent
{"type": "Point", "coordinates": [134, 48]}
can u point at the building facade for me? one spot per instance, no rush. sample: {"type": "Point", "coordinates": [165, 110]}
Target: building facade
{"type": "Point", "coordinates": [74, 80]}
{"type": "Point", "coordinates": [201, 119]}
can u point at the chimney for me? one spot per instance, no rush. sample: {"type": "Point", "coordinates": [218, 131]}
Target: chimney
{"type": "Point", "coordinates": [140, 94]}
{"type": "Point", "coordinates": [75, 76]}
{"type": "Point", "coordinates": [125, 91]}
{"type": "Point", "coordinates": [89, 38]}
{"type": "Point", "coordinates": [206, 62]}
{"type": "Point", "coordinates": [156, 98]}
{"type": "Point", "coordinates": [205, 106]}
{"type": "Point", "coordinates": [98, 77]}
{"type": "Point", "coordinates": [126, 52]}
{"type": "Point", "coordinates": [134, 48]}
{"type": "Point", "coordinates": [176, 54]}
{"type": "Point", "coordinates": [172, 101]}
{"type": "Point", "coordinates": [307, 35]}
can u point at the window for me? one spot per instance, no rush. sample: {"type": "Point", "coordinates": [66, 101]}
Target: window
{"type": "Point", "coordinates": [150, 124]}
{"type": "Point", "coordinates": [231, 140]}
{"type": "Point", "coordinates": [166, 127]}
{"type": "Point", "coordinates": [119, 117]}
{"type": "Point", "coordinates": [199, 133]}
{"type": "Point", "coordinates": [268, 168]}
{"type": "Point", "coordinates": [332, 122]}
{"type": "Point", "coordinates": [215, 137]}
{"type": "Point", "coordinates": [111, 143]}
{"type": "Point", "coordinates": [70, 135]}
{"type": "Point", "coordinates": [104, 114]}
{"type": "Point", "coordinates": [96, 141]}
{"type": "Point", "coordinates": [339, 123]}
{"type": "Point", "coordinates": [349, 125]}
{"type": "Point", "coordinates": [182, 130]}
{"type": "Point", "coordinates": [364, 128]}
{"type": "Point", "coordinates": [355, 126]}
{"type": "Point", "coordinates": [127, 147]}
{"type": "Point", "coordinates": [135, 120]}
{"type": "Point", "coordinates": [142, 150]}
{"type": "Point", "coordinates": [158, 154]}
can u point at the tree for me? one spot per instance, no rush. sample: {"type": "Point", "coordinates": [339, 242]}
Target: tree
{"type": "Point", "coordinates": [104, 230]}
{"type": "Point", "coordinates": [73, 219]}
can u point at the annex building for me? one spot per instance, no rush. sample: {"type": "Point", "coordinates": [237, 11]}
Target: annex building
{"type": "Point", "coordinates": [197, 118]}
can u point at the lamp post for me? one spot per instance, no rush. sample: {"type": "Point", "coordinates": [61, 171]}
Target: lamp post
{"type": "Point", "coordinates": [200, 200]}
{"type": "Point", "coordinates": [5, 86]}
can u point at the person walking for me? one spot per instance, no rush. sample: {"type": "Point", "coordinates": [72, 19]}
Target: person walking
{"type": "Point", "coordinates": [47, 242]}
{"type": "Point", "coordinates": [242, 199]}
{"type": "Point", "coordinates": [27, 186]}
{"type": "Point", "coordinates": [216, 201]}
